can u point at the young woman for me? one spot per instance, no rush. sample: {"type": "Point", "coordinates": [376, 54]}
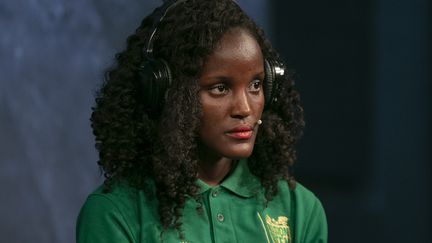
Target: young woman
{"type": "Point", "coordinates": [196, 128]}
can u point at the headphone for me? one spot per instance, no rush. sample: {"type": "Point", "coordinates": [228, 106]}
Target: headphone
{"type": "Point", "coordinates": [155, 73]}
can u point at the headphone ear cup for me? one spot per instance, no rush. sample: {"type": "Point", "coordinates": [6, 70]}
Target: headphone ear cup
{"type": "Point", "coordinates": [155, 78]}
{"type": "Point", "coordinates": [268, 82]}
{"type": "Point", "coordinates": [274, 76]}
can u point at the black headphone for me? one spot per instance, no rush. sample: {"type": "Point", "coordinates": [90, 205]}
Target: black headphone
{"type": "Point", "coordinates": [155, 74]}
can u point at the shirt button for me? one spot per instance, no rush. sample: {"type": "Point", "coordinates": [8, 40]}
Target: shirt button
{"type": "Point", "coordinates": [220, 217]}
{"type": "Point", "coordinates": [215, 193]}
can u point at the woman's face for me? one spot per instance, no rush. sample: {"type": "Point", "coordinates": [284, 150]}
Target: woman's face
{"type": "Point", "coordinates": [231, 96]}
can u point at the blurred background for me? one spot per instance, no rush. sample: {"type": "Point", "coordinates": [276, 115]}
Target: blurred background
{"type": "Point", "coordinates": [364, 75]}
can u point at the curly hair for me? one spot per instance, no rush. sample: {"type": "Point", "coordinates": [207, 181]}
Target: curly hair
{"type": "Point", "coordinates": [130, 146]}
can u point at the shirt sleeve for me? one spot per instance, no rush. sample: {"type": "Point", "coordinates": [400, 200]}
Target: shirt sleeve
{"type": "Point", "coordinates": [100, 221]}
{"type": "Point", "coordinates": [316, 227]}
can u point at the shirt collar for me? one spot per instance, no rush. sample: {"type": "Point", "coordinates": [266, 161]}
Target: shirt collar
{"type": "Point", "coordinates": [241, 182]}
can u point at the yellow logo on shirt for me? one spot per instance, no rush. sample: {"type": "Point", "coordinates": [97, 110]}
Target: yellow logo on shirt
{"type": "Point", "coordinates": [279, 230]}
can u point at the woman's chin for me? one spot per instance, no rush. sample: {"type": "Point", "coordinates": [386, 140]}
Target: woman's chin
{"type": "Point", "coordinates": [240, 153]}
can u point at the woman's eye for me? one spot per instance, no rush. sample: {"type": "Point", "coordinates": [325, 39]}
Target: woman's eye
{"type": "Point", "coordinates": [219, 89]}
{"type": "Point", "coordinates": [255, 86]}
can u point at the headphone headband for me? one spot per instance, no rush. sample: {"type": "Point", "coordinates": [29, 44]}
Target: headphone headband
{"type": "Point", "coordinates": [164, 9]}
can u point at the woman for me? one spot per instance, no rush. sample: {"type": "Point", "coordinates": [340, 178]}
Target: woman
{"type": "Point", "coordinates": [196, 128]}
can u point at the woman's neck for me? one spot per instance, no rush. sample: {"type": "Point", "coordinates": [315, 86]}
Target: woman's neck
{"type": "Point", "coordinates": [214, 172]}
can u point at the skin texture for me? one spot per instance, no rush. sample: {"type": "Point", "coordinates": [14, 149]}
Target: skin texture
{"type": "Point", "coordinates": [231, 96]}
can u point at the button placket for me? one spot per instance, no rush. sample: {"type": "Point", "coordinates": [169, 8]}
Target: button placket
{"type": "Point", "coordinates": [222, 228]}
{"type": "Point", "coordinates": [220, 217]}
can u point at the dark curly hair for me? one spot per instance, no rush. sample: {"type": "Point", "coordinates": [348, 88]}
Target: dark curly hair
{"type": "Point", "coordinates": [130, 147]}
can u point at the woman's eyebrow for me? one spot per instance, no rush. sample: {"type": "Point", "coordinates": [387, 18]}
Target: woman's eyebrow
{"type": "Point", "coordinates": [220, 77]}
{"type": "Point", "coordinates": [260, 73]}
{"type": "Point", "coordinates": [227, 78]}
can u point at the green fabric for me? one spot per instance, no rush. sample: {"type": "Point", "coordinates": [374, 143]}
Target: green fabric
{"type": "Point", "coordinates": [233, 211]}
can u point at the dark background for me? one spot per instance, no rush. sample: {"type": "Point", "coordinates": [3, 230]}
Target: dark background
{"type": "Point", "coordinates": [364, 76]}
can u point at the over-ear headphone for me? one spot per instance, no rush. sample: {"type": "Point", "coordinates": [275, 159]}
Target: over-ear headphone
{"type": "Point", "coordinates": [155, 74]}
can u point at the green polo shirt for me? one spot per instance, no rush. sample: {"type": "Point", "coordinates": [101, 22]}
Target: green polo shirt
{"type": "Point", "coordinates": [234, 211]}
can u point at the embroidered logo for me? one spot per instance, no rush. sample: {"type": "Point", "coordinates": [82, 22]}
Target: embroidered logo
{"type": "Point", "coordinates": [278, 230]}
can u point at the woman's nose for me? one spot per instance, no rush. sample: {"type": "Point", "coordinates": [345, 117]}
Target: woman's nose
{"type": "Point", "coordinates": [241, 107]}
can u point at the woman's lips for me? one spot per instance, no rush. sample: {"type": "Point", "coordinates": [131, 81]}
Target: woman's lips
{"type": "Point", "coordinates": [240, 133]}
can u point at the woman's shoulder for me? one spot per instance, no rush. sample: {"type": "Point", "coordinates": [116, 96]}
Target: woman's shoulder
{"type": "Point", "coordinates": [115, 193]}
{"type": "Point", "coordinates": [117, 200]}
{"type": "Point", "coordinates": [120, 197]}
{"type": "Point", "coordinates": [305, 200]}
{"type": "Point", "coordinates": [299, 193]}
{"type": "Point", "coordinates": [305, 196]}
{"type": "Point", "coordinates": [116, 210]}
{"type": "Point", "coordinates": [101, 213]}
{"type": "Point", "coordinates": [309, 214]}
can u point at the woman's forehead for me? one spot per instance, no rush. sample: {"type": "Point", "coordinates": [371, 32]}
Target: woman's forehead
{"type": "Point", "coordinates": [238, 51]}
{"type": "Point", "coordinates": [237, 41]}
